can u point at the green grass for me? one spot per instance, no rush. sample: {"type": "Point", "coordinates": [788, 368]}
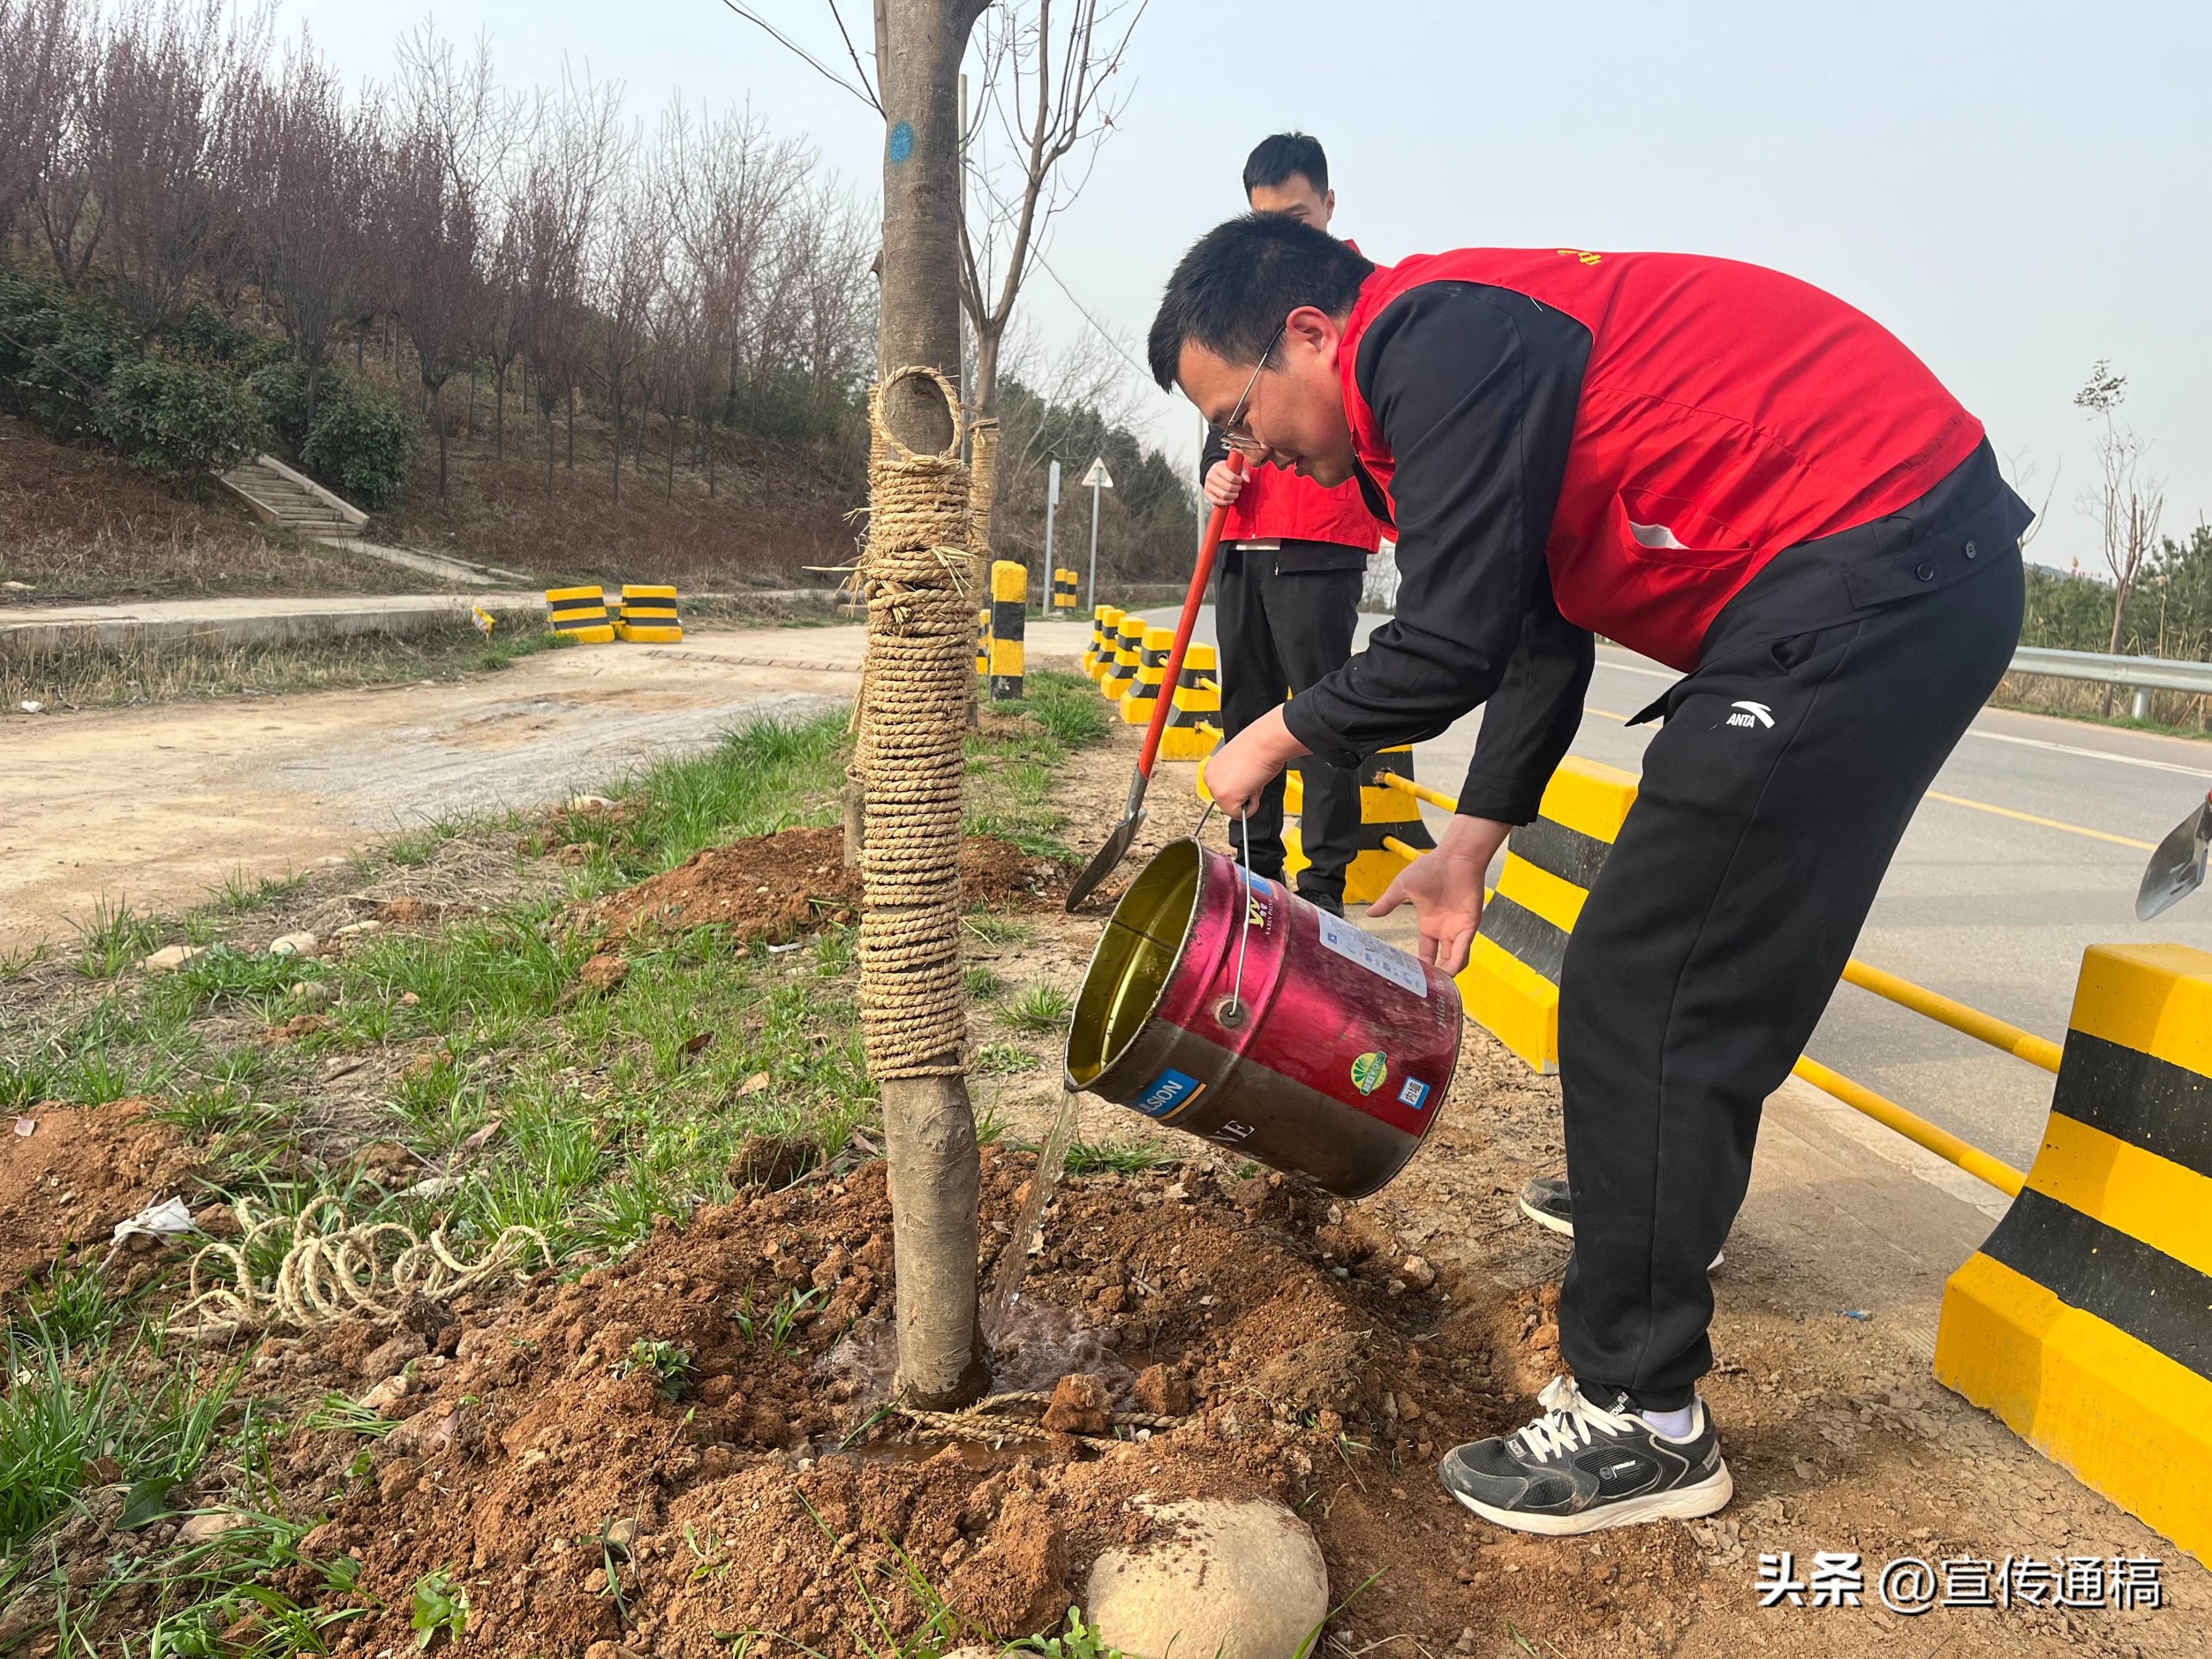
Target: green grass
{"type": "Point", "coordinates": [611, 1112]}
{"type": "Point", "coordinates": [1121, 1157]}
{"type": "Point", "coordinates": [241, 894]}
{"type": "Point", "coordinates": [116, 938]}
{"type": "Point", "coordinates": [1010, 777]}
{"type": "Point", "coordinates": [1041, 1007]}
{"type": "Point", "coordinates": [58, 1415]}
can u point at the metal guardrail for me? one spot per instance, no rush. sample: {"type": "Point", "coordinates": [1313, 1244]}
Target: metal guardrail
{"type": "Point", "coordinates": [2142, 675]}
{"type": "Point", "coordinates": [1931, 1005]}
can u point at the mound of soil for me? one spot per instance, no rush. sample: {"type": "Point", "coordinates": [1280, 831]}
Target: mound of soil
{"type": "Point", "coordinates": [79, 1171]}
{"type": "Point", "coordinates": [775, 887]}
{"type": "Point", "coordinates": [584, 1497]}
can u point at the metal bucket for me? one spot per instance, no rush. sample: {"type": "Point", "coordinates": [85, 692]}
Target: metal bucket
{"type": "Point", "coordinates": [1328, 1057]}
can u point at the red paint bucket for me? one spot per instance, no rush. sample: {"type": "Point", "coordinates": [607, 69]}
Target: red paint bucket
{"type": "Point", "coordinates": [1328, 1054]}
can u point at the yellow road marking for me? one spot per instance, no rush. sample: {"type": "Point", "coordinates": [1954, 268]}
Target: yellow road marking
{"type": "Point", "coordinates": [2048, 823]}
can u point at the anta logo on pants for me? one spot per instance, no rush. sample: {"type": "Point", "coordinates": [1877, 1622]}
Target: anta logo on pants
{"type": "Point", "coordinates": [1751, 713]}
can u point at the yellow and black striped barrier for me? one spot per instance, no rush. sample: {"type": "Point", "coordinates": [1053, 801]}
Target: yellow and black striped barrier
{"type": "Point", "coordinates": [649, 615]}
{"type": "Point", "coordinates": [579, 612]}
{"type": "Point", "coordinates": [1194, 711]}
{"type": "Point", "coordinates": [1391, 834]}
{"type": "Point", "coordinates": [1128, 643]}
{"type": "Point", "coordinates": [2085, 1320]}
{"type": "Point", "coordinates": [1010, 605]}
{"type": "Point", "coordinates": [1063, 590]}
{"type": "Point", "coordinates": [982, 640]}
{"type": "Point", "coordinates": [1152, 669]}
{"type": "Point", "coordinates": [1105, 634]}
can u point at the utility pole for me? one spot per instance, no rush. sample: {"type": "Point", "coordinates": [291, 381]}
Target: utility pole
{"type": "Point", "coordinates": [1051, 501]}
{"type": "Point", "coordinates": [1099, 479]}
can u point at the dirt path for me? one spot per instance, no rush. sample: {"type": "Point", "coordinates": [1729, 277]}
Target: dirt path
{"type": "Point", "coordinates": [158, 804]}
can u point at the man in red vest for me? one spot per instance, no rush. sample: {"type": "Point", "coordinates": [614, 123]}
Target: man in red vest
{"type": "Point", "coordinates": [1724, 469]}
{"type": "Point", "coordinates": [1286, 591]}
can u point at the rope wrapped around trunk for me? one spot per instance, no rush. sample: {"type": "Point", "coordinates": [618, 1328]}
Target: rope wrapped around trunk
{"type": "Point", "coordinates": [982, 479]}
{"type": "Point", "coordinates": [921, 659]}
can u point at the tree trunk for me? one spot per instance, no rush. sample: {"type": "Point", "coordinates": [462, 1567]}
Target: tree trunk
{"type": "Point", "coordinates": [571, 428]}
{"type": "Point", "coordinates": [499, 417]}
{"type": "Point", "coordinates": [438, 419]}
{"type": "Point", "coordinates": [669, 494]}
{"type": "Point", "coordinates": [929, 1124]}
{"type": "Point", "coordinates": [615, 433]}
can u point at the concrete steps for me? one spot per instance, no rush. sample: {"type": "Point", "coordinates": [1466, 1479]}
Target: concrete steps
{"type": "Point", "coordinates": [279, 496]}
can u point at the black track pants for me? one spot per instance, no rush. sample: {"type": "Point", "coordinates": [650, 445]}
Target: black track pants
{"type": "Point", "coordinates": [1283, 632]}
{"type": "Point", "coordinates": [1770, 805]}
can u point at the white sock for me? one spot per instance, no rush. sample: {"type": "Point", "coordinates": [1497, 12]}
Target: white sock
{"type": "Point", "coordinates": [1675, 1425]}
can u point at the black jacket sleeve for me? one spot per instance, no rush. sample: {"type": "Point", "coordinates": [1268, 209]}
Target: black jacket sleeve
{"type": "Point", "coordinates": [1476, 388]}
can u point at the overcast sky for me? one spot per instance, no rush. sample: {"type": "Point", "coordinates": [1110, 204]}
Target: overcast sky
{"type": "Point", "coordinates": [2016, 189]}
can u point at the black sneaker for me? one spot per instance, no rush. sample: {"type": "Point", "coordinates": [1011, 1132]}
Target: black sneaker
{"type": "Point", "coordinates": [1582, 1467]}
{"type": "Point", "coordinates": [1544, 1201]}
{"type": "Point", "coordinates": [1328, 901]}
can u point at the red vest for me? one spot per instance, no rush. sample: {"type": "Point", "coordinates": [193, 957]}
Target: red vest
{"type": "Point", "coordinates": [1728, 412]}
{"type": "Point", "coordinates": [1276, 502]}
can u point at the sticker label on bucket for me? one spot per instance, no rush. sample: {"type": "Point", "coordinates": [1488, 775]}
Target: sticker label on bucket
{"type": "Point", "coordinates": [1413, 1093]}
{"type": "Point", "coordinates": [1374, 955]}
{"type": "Point", "coordinates": [1169, 1091]}
{"type": "Point", "coordinates": [1368, 1071]}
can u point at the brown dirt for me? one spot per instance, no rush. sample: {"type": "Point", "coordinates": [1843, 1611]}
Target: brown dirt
{"type": "Point", "coordinates": [775, 887]}
{"type": "Point", "coordinates": [534, 1437]}
{"type": "Point", "coordinates": [78, 1172]}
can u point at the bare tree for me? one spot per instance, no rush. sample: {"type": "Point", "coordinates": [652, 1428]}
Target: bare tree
{"type": "Point", "coordinates": [167, 97]}
{"type": "Point", "coordinates": [631, 255]}
{"type": "Point", "coordinates": [39, 62]}
{"type": "Point", "coordinates": [2126, 502]}
{"type": "Point", "coordinates": [2020, 470]}
{"type": "Point", "coordinates": [1046, 96]}
{"type": "Point", "coordinates": [314, 161]}
{"type": "Point", "coordinates": [571, 167]}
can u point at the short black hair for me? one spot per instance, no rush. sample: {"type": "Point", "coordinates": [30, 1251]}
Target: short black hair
{"type": "Point", "coordinates": [1238, 282]}
{"type": "Point", "coordinates": [1272, 161]}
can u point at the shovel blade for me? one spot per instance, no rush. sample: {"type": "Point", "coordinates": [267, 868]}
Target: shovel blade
{"type": "Point", "coordinates": [2177, 869]}
{"type": "Point", "coordinates": [1102, 865]}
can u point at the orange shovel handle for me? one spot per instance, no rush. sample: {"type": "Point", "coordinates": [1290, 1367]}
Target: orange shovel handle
{"type": "Point", "coordinates": [1198, 577]}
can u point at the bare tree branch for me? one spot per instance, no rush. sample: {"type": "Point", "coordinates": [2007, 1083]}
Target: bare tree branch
{"type": "Point", "coordinates": [863, 91]}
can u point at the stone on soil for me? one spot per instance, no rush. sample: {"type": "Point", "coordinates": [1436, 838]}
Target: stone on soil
{"type": "Point", "coordinates": [293, 945]}
{"type": "Point", "coordinates": [1081, 1404]}
{"type": "Point", "coordinates": [170, 958]}
{"type": "Point", "coordinates": [388, 1357]}
{"type": "Point", "coordinates": [1229, 1580]}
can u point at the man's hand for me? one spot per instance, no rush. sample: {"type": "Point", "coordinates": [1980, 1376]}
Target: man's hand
{"type": "Point", "coordinates": [1222, 484]}
{"type": "Point", "coordinates": [1446, 888]}
{"type": "Point", "coordinates": [1244, 766]}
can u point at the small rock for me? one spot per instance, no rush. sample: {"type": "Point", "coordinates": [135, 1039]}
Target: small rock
{"type": "Point", "coordinates": [1081, 1404]}
{"type": "Point", "coordinates": [170, 958]}
{"type": "Point", "coordinates": [31, 707]}
{"type": "Point", "coordinates": [384, 1399]}
{"type": "Point", "coordinates": [768, 1427]}
{"type": "Point", "coordinates": [575, 852]}
{"type": "Point", "coordinates": [603, 972]}
{"type": "Point", "coordinates": [390, 1357]}
{"type": "Point", "coordinates": [356, 929]}
{"type": "Point", "coordinates": [200, 1529]}
{"type": "Point", "coordinates": [293, 945]}
{"type": "Point", "coordinates": [216, 1220]}
{"type": "Point", "coordinates": [17, 587]}
{"type": "Point", "coordinates": [622, 1533]}
{"type": "Point", "coordinates": [1416, 1271]}
{"type": "Point", "coordinates": [588, 802]}
{"type": "Point", "coordinates": [316, 992]}
{"type": "Point", "coordinates": [409, 999]}
{"type": "Point", "coordinates": [1232, 1580]}
{"type": "Point", "coordinates": [1162, 1392]}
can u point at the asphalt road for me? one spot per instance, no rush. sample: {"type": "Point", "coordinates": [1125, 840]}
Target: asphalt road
{"type": "Point", "coordinates": [2019, 859]}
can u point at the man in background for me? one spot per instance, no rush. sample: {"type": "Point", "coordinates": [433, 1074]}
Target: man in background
{"type": "Point", "coordinates": [1286, 591]}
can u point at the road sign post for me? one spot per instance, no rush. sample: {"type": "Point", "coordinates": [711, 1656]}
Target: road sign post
{"type": "Point", "coordinates": [1098, 478]}
{"type": "Point", "coordinates": [1051, 501]}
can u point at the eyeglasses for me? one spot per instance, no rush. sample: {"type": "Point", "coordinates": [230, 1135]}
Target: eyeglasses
{"type": "Point", "coordinates": [1244, 444]}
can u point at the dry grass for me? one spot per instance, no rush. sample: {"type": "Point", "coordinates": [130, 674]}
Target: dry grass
{"type": "Point", "coordinates": [2182, 713]}
{"type": "Point", "coordinates": [165, 672]}
{"type": "Point", "coordinates": [774, 513]}
{"type": "Point", "coordinates": [76, 526]}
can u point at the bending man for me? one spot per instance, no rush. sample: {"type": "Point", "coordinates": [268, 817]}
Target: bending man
{"type": "Point", "coordinates": [1724, 469]}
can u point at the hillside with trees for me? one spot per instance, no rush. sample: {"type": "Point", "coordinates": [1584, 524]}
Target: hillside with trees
{"type": "Point", "coordinates": [530, 327]}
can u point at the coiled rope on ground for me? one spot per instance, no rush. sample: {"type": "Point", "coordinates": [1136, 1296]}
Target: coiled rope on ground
{"type": "Point", "coordinates": [334, 1273]}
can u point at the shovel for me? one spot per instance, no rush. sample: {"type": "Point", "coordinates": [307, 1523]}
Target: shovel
{"type": "Point", "coordinates": [2177, 869]}
{"type": "Point", "coordinates": [1133, 814]}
